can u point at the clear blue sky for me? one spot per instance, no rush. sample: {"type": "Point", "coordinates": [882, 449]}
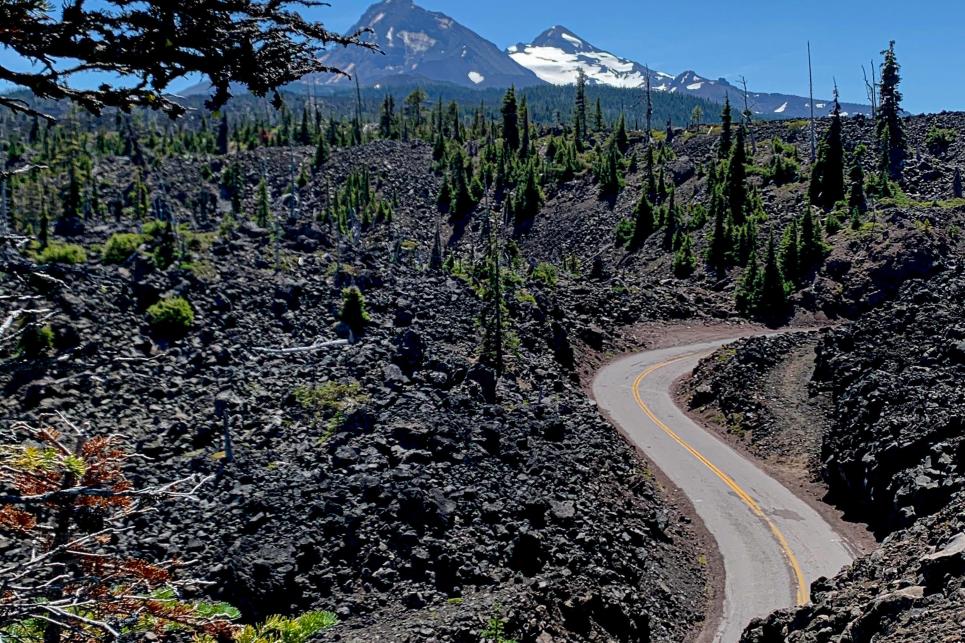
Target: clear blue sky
{"type": "Point", "coordinates": [764, 40]}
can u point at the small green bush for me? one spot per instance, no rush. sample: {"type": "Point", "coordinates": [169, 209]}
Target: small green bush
{"type": "Point", "coordinates": [353, 310]}
{"type": "Point", "coordinates": [623, 232]}
{"type": "Point", "coordinates": [36, 341]}
{"type": "Point", "coordinates": [171, 317]}
{"type": "Point", "coordinates": [121, 246]}
{"type": "Point", "coordinates": [939, 139]}
{"type": "Point", "coordinates": [545, 273]}
{"type": "Point", "coordinates": [62, 253]}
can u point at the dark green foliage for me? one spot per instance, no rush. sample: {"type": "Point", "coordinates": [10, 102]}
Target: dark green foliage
{"type": "Point", "coordinates": [724, 147]}
{"type": "Point", "coordinates": [357, 201]}
{"type": "Point", "coordinates": [528, 198]}
{"type": "Point", "coordinates": [579, 108]}
{"type": "Point", "coordinates": [263, 206]}
{"type": "Point", "coordinates": [735, 180]}
{"type": "Point", "coordinates": [939, 139]}
{"type": "Point", "coordinates": [510, 115]}
{"type": "Point", "coordinates": [120, 246]}
{"type": "Point", "coordinates": [644, 224]}
{"type": "Point", "coordinates": [773, 296]}
{"type": "Point", "coordinates": [597, 115]}
{"type": "Point", "coordinates": [524, 142]}
{"type": "Point", "coordinates": [171, 317]}
{"type": "Point", "coordinates": [623, 232]}
{"type": "Point", "coordinates": [811, 249]}
{"type": "Point", "coordinates": [620, 135]}
{"type": "Point", "coordinates": [387, 128]}
{"type": "Point", "coordinates": [321, 153]}
{"type": "Point", "coordinates": [827, 174]}
{"type": "Point", "coordinates": [671, 223]}
{"type": "Point", "coordinates": [353, 313]}
{"type": "Point", "coordinates": [789, 254]}
{"type": "Point", "coordinates": [684, 260]}
{"type": "Point", "coordinates": [718, 246]}
{"type": "Point", "coordinates": [609, 173]}
{"type": "Point", "coordinates": [957, 183]}
{"type": "Point", "coordinates": [435, 260]}
{"type": "Point", "coordinates": [891, 133]}
{"type": "Point", "coordinates": [461, 199]}
{"type": "Point", "coordinates": [65, 253]}
{"type": "Point", "coordinates": [35, 340]}
{"type": "Point", "coordinates": [856, 195]}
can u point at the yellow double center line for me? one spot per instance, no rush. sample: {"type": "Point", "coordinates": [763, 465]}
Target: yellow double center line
{"type": "Point", "coordinates": [802, 586]}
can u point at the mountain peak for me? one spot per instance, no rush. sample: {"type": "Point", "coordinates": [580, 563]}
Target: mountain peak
{"type": "Point", "coordinates": [562, 38]}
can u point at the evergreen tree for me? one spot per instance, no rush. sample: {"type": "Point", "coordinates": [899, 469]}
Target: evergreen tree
{"type": "Point", "coordinates": [304, 130]}
{"type": "Point", "coordinates": [524, 143]}
{"type": "Point", "coordinates": [43, 234]}
{"type": "Point", "coordinates": [579, 108]}
{"type": "Point", "coordinates": [789, 256]}
{"type": "Point", "coordinates": [651, 178]}
{"type": "Point", "coordinates": [719, 243]}
{"type": "Point", "coordinates": [891, 134]}
{"type": "Point", "coordinates": [597, 115]}
{"type": "Point", "coordinates": [263, 206]}
{"type": "Point", "coordinates": [321, 153]}
{"type": "Point", "coordinates": [736, 179]}
{"type": "Point", "coordinates": [684, 261]}
{"type": "Point", "coordinates": [748, 292]}
{"type": "Point", "coordinates": [723, 149]}
{"type": "Point", "coordinates": [223, 135]}
{"type": "Point", "coordinates": [811, 251]}
{"type": "Point", "coordinates": [671, 224]}
{"type": "Point", "coordinates": [773, 296]}
{"type": "Point", "coordinates": [510, 121]}
{"type": "Point", "coordinates": [608, 172]}
{"type": "Point", "coordinates": [435, 260]}
{"type": "Point", "coordinates": [461, 199]}
{"type": "Point", "coordinates": [620, 135]}
{"type": "Point", "coordinates": [387, 118]}
{"type": "Point", "coordinates": [827, 174]}
{"type": "Point", "coordinates": [528, 198]}
{"type": "Point", "coordinates": [455, 125]}
{"type": "Point", "coordinates": [643, 225]}
{"type": "Point", "coordinates": [856, 195]}
{"type": "Point", "coordinates": [72, 198]}
{"type": "Point", "coordinates": [353, 312]}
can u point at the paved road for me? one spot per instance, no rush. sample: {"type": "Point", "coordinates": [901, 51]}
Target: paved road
{"type": "Point", "coordinates": [772, 543]}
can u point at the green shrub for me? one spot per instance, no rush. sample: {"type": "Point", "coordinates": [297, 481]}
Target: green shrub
{"type": "Point", "coordinates": [171, 317]}
{"type": "Point", "coordinates": [353, 310]}
{"type": "Point", "coordinates": [939, 139]}
{"type": "Point", "coordinates": [623, 232]}
{"type": "Point", "coordinates": [36, 340]}
{"type": "Point", "coordinates": [281, 629]}
{"type": "Point", "coordinates": [545, 273]}
{"type": "Point", "coordinates": [121, 246]}
{"type": "Point", "coordinates": [62, 253]}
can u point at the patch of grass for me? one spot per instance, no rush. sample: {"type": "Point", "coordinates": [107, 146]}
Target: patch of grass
{"type": "Point", "coordinates": [525, 297]}
{"type": "Point", "coordinates": [330, 402]}
{"type": "Point", "coordinates": [724, 355]}
{"type": "Point", "coordinates": [409, 245]}
{"type": "Point", "coordinates": [200, 269]}
{"type": "Point", "coordinates": [66, 253]}
{"type": "Point", "coordinates": [545, 273]}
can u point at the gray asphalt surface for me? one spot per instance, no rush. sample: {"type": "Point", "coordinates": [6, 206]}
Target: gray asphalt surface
{"type": "Point", "coordinates": [772, 543]}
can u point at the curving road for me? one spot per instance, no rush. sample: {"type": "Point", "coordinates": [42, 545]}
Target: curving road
{"type": "Point", "coordinates": [772, 543]}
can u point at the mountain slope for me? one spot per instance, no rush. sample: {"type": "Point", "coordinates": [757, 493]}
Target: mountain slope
{"type": "Point", "coordinates": [557, 54]}
{"type": "Point", "coordinates": [425, 45]}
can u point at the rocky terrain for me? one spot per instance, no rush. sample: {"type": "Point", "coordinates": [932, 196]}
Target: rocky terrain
{"type": "Point", "coordinates": [400, 483]}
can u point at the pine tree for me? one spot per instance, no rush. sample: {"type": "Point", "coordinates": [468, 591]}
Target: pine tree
{"type": "Point", "coordinates": [856, 195]}
{"type": "Point", "coordinates": [263, 207]}
{"type": "Point", "coordinates": [579, 108]}
{"type": "Point", "coordinates": [461, 199]}
{"type": "Point", "coordinates": [455, 125]}
{"type": "Point", "coordinates": [223, 135]}
{"type": "Point", "coordinates": [827, 175]}
{"type": "Point", "coordinates": [891, 134]}
{"type": "Point", "coordinates": [812, 249]}
{"type": "Point", "coordinates": [72, 198]}
{"type": "Point", "coordinates": [748, 292]}
{"type": "Point", "coordinates": [789, 255]}
{"type": "Point", "coordinates": [719, 243]}
{"type": "Point", "coordinates": [773, 296]}
{"type": "Point", "coordinates": [524, 143]}
{"type": "Point", "coordinates": [435, 260]}
{"type": "Point", "coordinates": [620, 135]}
{"type": "Point", "coordinates": [608, 172]}
{"type": "Point", "coordinates": [510, 120]}
{"type": "Point", "coordinates": [528, 198]}
{"type": "Point", "coordinates": [684, 261]}
{"type": "Point", "coordinates": [353, 312]}
{"type": "Point", "coordinates": [597, 115]}
{"type": "Point", "coordinates": [643, 225]}
{"type": "Point", "coordinates": [671, 224]}
{"type": "Point", "coordinates": [321, 153]}
{"type": "Point", "coordinates": [651, 178]}
{"type": "Point", "coordinates": [387, 118]}
{"type": "Point", "coordinates": [736, 179]}
{"type": "Point", "coordinates": [723, 149]}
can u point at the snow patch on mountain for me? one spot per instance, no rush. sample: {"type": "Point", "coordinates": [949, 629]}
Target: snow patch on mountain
{"type": "Point", "coordinates": [476, 77]}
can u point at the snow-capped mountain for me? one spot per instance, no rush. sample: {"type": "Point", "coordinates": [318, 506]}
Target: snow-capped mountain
{"type": "Point", "coordinates": [557, 54]}
{"type": "Point", "coordinates": [423, 45]}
